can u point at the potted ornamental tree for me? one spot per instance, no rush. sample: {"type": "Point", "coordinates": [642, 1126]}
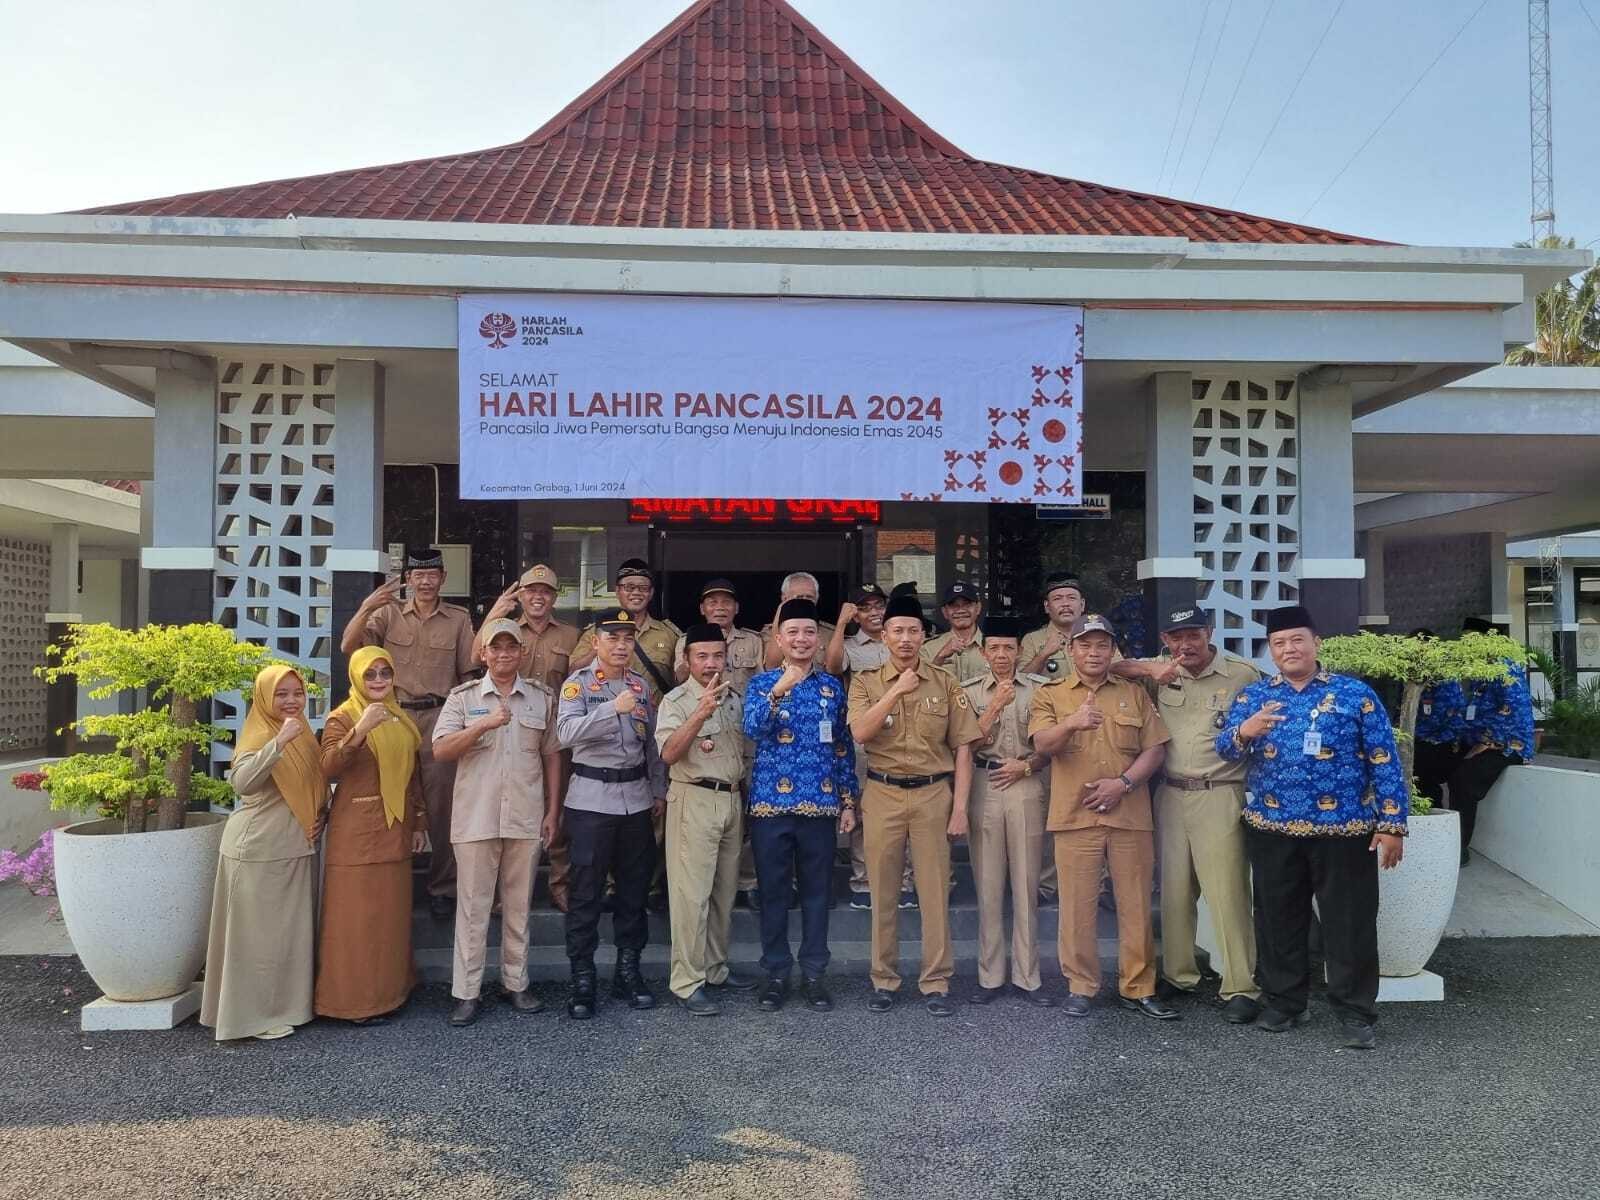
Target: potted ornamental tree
{"type": "Point", "coordinates": [1415, 899]}
{"type": "Point", "coordinates": [135, 886]}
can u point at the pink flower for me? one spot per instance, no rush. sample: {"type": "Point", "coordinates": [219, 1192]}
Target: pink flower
{"type": "Point", "coordinates": [36, 871]}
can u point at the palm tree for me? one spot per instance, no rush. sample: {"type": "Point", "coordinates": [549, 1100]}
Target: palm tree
{"type": "Point", "coordinates": [1566, 320]}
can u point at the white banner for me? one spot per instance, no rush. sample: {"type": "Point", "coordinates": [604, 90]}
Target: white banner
{"type": "Point", "coordinates": [570, 396]}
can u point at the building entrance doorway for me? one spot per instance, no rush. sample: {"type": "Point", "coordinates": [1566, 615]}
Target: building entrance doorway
{"type": "Point", "coordinates": [755, 562]}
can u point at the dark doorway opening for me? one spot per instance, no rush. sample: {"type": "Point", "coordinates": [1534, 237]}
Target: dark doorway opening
{"type": "Point", "coordinates": [755, 562]}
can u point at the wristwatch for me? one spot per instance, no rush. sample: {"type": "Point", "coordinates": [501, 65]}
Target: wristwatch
{"type": "Point", "coordinates": [1126, 782]}
{"type": "Point", "coordinates": [1027, 768]}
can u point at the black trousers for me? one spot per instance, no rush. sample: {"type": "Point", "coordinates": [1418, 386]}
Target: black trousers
{"type": "Point", "coordinates": [1434, 763]}
{"type": "Point", "coordinates": [1470, 782]}
{"type": "Point", "coordinates": [603, 844]}
{"type": "Point", "coordinates": [1342, 874]}
{"type": "Point", "coordinates": [799, 848]}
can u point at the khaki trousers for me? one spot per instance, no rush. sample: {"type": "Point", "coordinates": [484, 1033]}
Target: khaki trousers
{"type": "Point", "coordinates": [1047, 867]}
{"type": "Point", "coordinates": [438, 791]}
{"type": "Point", "coordinates": [704, 833]}
{"type": "Point", "coordinates": [1080, 856]}
{"type": "Point", "coordinates": [1005, 832]}
{"type": "Point", "coordinates": [1203, 853]}
{"type": "Point", "coordinates": [893, 816]}
{"type": "Point", "coordinates": [512, 863]}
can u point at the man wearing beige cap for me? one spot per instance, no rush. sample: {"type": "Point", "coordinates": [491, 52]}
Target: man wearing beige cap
{"type": "Point", "coordinates": [500, 732]}
{"type": "Point", "coordinates": [547, 645]}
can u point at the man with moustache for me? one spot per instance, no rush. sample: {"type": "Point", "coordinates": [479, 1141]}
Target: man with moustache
{"type": "Point", "coordinates": [433, 650]}
{"type": "Point", "coordinates": [1325, 809]}
{"type": "Point", "coordinates": [1106, 741]}
{"type": "Point", "coordinates": [918, 730]}
{"type": "Point", "coordinates": [802, 790]}
{"type": "Point", "coordinates": [719, 606]}
{"type": "Point", "coordinates": [1044, 650]}
{"type": "Point", "coordinates": [959, 649]}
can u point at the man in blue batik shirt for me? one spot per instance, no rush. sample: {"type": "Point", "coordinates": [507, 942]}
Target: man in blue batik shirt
{"type": "Point", "coordinates": [802, 788]}
{"type": "Point", "coordinates": [1498, 720]}
{"type": "Point", "coordinates": [1325, 806]}
{"type": "Point", "coordinates": [1441, 728]}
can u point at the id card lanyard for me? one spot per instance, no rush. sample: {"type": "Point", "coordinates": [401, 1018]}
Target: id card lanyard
{"type": "Point", "coordinates": [1312, 746]}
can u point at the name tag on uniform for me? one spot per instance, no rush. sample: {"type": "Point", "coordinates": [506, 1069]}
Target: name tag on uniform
{"type": "Point", "coordinates": [1312, 744]}
{"type": "Point", "coordinates": [1427, 710]}
{"type": "Point", "coordinates": [1472, 712]}
{"type": "Point", "coordinates": [477, 712]}
{"type": "Point", "coordinates": [825, 730]}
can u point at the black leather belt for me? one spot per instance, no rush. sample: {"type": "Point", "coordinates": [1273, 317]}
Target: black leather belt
{"type": "Point", "coordinates": [908, 781]}
{"type": "Point", "coordinates": [988, 764]}
{"type": "Point", "coordinates": [424, 704]}
{"type": "Point", "coordinates": [714, 785]}
{"type": "Point", "coordinates": [609, 774]}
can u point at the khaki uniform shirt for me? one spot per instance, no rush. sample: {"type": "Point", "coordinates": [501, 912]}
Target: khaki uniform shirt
{"type": "Point", "coordinates": [658, 640]}
{"type": "Point", "coordinates": [966, 663]}
{"type": "Point", "coordinates": [1033, 642]}
{"type": "Point", "coordinates": [1132, 726]}
{"type": "Point", "coordinates": [864, 653]}
{"type": "Point", "coordinates": [924, 730]}
{"type": "Point", "coordinates": [263, 827]}
{"type": "Point", "coordinates": [431, 654]}
{"type": "Point", "coordinates": [1009, 737]}
{"type": "Point", "coordinates": [499, 790]}
{"type": "Point", "coordinates": [744, 657]}
{"type": "Point", "coordinates": [545, 654]}
{"type": "Point", "coordinates": [1194, 708]}
{"type": "Point", "coordinates": [729, 756]}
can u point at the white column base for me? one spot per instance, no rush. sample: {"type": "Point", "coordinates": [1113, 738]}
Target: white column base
{"type": "Point", "coordinates": [1400, 989]}
{"type": "Point", "coordinates": [105, 1015]}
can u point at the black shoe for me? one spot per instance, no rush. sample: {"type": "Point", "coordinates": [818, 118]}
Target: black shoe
{"type": "Point", "coordinates": [746, 898]}
{"type": "Point", "coordinates": [465, 1013]}
{"type": "Point", "coordinates": [441, 908]}
{"type": "Point", "coordinates": [938, 1005]}
{"type": "Point", "coordinates": [627, 982]}
{"type": "Point", "coordinates": [1038, 997]}
{"type": "Point", "coordinates": [583, 1002]}
{"type": "Point", "coordinates": [1208, 975]}
{"type": "Point", "coordinates": [774, 993]}
{"type": "Point", "coordinates": [1274, 1020]}
{"type": "Point", "coordinates": [861, 901]}
{"type": "Point", "coordinates": [816, 994]}
{"type": "Point", "coordinates": [1151, 1007]}
{"type": "Point", "coordinates": [880, 1001]}
{"type": "Point", "coordinates": [1359, 1036]}
{"type": "Point", "coordinates": [1241, 1010]}
{"type": "Point", "coordinates": [1167, 990]}
{"type": "Point", "coordinates": [908, 900]}
{"type": "Point", "coordinates": [985, 995]}
{"type": "Point", "coordinates": [380, 1019]}
{"type": "Point", "coordinates": [1047, 899]}
{"type": "Point", "coordinates": [1075, 1005]}
{"type": "Point", "coordinates": [525, 1001]}
{"type": "Point", "coordinates": [698, 1004]}
{"type": "Point", "coordinates": [736, 983]}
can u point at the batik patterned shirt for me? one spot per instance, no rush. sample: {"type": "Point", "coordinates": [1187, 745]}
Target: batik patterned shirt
{"type": "Point", "coordinates": [1502, 715]}
{"type": "Point", "coordinates": [1330, 768]}
{"type": "Point", "coordinates": [1442, 713]}
{"type": "Point", "coordinates": [805, 762]}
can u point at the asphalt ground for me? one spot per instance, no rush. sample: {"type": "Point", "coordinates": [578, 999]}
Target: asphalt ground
{"type": "Point", "coordinates": [1493, 1093]}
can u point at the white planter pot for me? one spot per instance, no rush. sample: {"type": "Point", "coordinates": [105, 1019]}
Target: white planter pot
{"type": "Point", "coordinates": [1415, 898]}
{"type": "Point", "coordinates": [138, 905]}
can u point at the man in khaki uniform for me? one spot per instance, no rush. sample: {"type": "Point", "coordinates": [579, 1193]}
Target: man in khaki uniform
{"type": "Point", "coordinates": [1198, 803]}
{"type": "Point", "coordinates": [1106, 741]}
{"type": "Point", "coordinates": [501, 733]}
{"type": "Point", "coordinates": [801, 585]}
{"type": "Point", "coordinates": [1044, 653]}
{"type": "Point", "coordinates": [433, 649]}
{"type": "Point", "coordinates": [959, 649]}
{"type": "Point", "coordinates": [699, 732]}
{"type": "Point", "coordinates": [719, 606]}
{"type": "Point", "coordinates": [1005, 818]}
{"type": "Point", "coordinates": [547, 643]}
{"type": "Point", "coordinates": [918, 730]}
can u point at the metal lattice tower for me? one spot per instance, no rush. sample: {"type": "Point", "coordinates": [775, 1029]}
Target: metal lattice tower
{"type": "Point", "coordinates": [1544, 187]}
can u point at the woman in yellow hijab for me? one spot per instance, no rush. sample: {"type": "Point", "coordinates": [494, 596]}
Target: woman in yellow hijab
{"type": "Point", "coordinates": [263, 923]}
{"type": "Point", "coordinates": [377, 822]}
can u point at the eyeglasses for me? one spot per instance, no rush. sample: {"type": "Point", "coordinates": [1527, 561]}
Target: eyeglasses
{"type": "Point", "coordinates": [377, 673]}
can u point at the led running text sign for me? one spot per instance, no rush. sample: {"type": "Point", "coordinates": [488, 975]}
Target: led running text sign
{"type": "Point", "coordinates": [754, 512]}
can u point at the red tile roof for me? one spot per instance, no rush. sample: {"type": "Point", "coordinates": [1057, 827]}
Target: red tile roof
{"type": "Point", "coordinates": [739, 114]}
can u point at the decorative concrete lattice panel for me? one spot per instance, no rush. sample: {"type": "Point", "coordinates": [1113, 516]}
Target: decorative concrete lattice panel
{"type": "Point", "coordinates": [24, 600]}
{"type": "Point", "coordinates": [1246, 503]}
{"type": "Point", "coordinates": [274, 516]}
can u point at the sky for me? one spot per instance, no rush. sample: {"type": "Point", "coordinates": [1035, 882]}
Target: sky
{"type": "Point", "coordinates": [110, 101]}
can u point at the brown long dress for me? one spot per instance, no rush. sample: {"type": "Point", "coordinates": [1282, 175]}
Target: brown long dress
{"type": "Point", "coordinates": [364, 962]}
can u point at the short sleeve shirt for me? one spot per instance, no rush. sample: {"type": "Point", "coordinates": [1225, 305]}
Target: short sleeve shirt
{"type": "Point", "coordinates": [925, 728]}
{"type": "Point", "coordinates": [657, 642]}
{"type": "Point", "coordinates": [722, 731]}
{"type": "Point", "coordinates": [545, 654]}
{"type": "Point", "coordinates": [1008, 737]}
{"type": "Point", "coordinates": [743, 661]}
{"type": "Point", "coordinates": [499, 788]}
{"type": "Point", "coordinates": [1131, 727]}
{"type": "Point", "coordinates": [431, 653]}
{"type": "Point", "coordinates": [1194, 708]}
{"type": "Point", "coordinates": [966, 663]}
{"type": "Point", "coordinates": [863, 653]}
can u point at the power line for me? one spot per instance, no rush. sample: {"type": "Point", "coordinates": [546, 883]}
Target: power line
{"type": "Point", "coordinates": [1177, 114]}
{"type": "Point", "coordinates": [1232, 200]}
{"type": "Point", "coordinates": [1201, 95]}
{"type": "Point", "coordinates": [1379, 127]}
{"type": "Point", "coordinates": [1590, 15]}
{"type": "Point", "coordinates": [1238, 83]}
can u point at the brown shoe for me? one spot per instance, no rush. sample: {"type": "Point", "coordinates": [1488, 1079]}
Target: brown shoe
{"type": "Point", "coordinates": [525, 1001]}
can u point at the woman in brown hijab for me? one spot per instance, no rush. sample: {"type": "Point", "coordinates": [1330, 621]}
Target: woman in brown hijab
{"type": "Point", "coordinates": [263, 924]}
{"type": "Point", "coordinates": [376, 823]}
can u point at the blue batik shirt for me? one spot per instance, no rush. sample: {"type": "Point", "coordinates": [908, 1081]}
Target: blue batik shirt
{"type": "Point", "coordinates": [805, 759]}
{"type": "Point", "coordinates": [1348, 785]}
{"type": "Point", "coordinates": [1502, 714]}
{"type": "Point", "coordinates": [1442, 714]}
